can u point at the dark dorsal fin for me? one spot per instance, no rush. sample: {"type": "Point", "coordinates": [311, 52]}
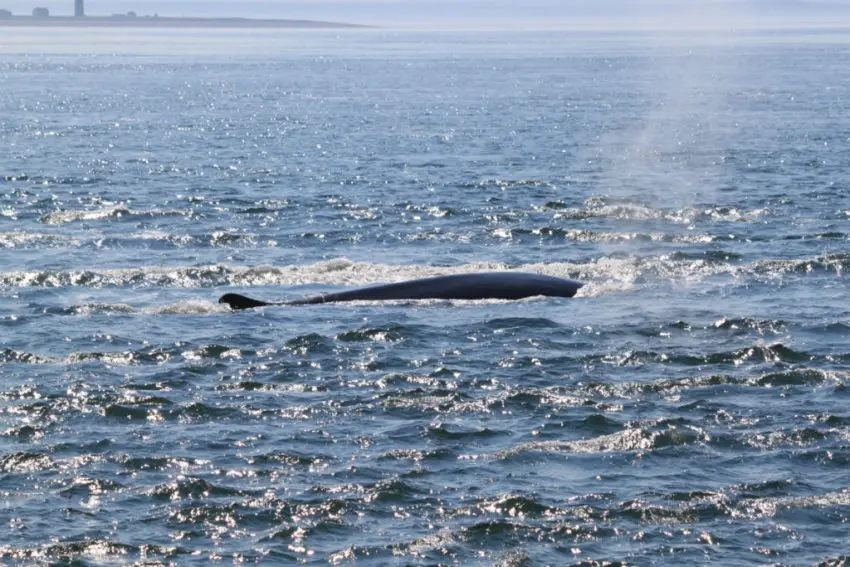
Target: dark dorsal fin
{"type": "Point", "coordinates": [236, 301]}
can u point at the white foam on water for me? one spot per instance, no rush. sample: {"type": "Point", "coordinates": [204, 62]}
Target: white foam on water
{"type": "Point", "coordinates": [64, 217]}
{"type": "Point", "coordinates": [26, 239]}
{"type": "Point", "coordinates": [609, 272]}
{"type": "Point", "coordinates": [187, 307]}
{"type": "Point", "coordinates": [94, 308]}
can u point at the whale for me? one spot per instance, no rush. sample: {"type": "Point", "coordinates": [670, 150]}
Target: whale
{"type": "Point", "coordinates": [484, 285]}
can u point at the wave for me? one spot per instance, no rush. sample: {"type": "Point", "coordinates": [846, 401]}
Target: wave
{"type": "Point", "coordinates": [601, 208]}
{"type": "Point", "coordinates": [587, 235]}
{"type": "Point", "coordinates": [36, 240]}
{"type": "Point", "coordinates": [606, 274]}
{"type": "Point", "coordinates": [152, 355]}
{"type": "Point", "coordinates": [632, 440]}
{"type": "Point", "coordinates": [117, 211]}
{"type": "Point", "coordinates": [768, 507]}
{"type": "Point", "coordinates": [143, 240]}
{"type": "Point", "coordinates": [161, 239]}
{"type": "Point", "coordinates": [24, 462]}
{"type": "Point", "coordinates": [758, 353]}
{"type": "Point", "coordinates": [36, 180]}
{"type": "Point", "coordinates": [191, 488]}
{"type": "Point", "coordinates": [97, 550]}
{"type": "Point", "coordinates": [665, 387]}
{"type": "Point", "coordinates": [185, 307]}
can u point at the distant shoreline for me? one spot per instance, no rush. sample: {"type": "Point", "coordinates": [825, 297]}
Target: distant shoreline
{"type": "Point", "coordinates": [122, 21]}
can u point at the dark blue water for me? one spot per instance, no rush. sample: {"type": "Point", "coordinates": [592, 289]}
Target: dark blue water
{"type": "Point", "coordinates": [688, 407]}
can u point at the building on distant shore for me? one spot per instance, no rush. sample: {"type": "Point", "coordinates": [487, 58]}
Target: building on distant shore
{"type": "Point", "coordinates": [79, 9]}
{"type": "Point", "coordinates": [5, 14]}
{"type": "Point", "coordinates": [40, 13]}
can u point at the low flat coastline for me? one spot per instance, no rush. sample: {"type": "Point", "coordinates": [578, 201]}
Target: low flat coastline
{"type": "Point", "coordinates": [166, 22]}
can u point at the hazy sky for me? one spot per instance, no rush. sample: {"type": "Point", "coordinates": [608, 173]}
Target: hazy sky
{"type": "Point", "coordinates": [511, 13]}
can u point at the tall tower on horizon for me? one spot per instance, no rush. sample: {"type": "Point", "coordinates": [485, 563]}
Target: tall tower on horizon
{"type": "Point", "coordinates": [79, 10]}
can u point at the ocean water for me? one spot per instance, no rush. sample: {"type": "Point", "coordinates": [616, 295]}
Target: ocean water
{"type": "Point", "coordinates": [689, 406]}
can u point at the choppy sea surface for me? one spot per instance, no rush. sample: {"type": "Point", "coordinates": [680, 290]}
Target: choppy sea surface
{"type": "Point", "coordinates": [689, 406]}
